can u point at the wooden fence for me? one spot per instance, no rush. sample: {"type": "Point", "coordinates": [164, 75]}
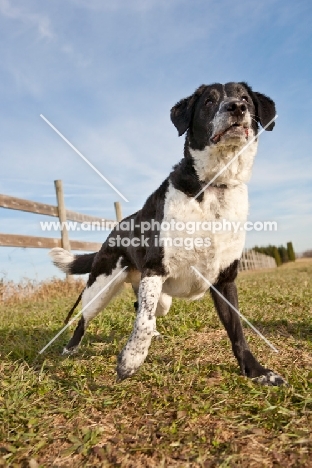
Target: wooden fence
{"type": "Point", "coordinates": [251, 260]}
{"type": "Point", "coordinates": [59, 211]}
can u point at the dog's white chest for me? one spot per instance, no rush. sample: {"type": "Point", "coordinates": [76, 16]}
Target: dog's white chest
{"type": "Point", "coordinates": [208, 240]}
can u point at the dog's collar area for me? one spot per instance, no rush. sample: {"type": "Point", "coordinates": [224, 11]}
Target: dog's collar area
{"type": "Point", "coordinates": [220, 186]}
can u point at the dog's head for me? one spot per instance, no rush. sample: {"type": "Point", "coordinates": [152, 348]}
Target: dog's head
{"type": "Point", "coordinates": [222, 115]}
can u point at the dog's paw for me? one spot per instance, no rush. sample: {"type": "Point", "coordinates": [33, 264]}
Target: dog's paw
{"type": "Point", "coordinates": [157, 335]}
{"type": "Point", "coordinates": [68, 352]}
{"type": "Point", "coordinates": [270, 378]}
{"type": "Point", "coordinates": [125, 367]}
{"type": "Point", "coordinates": [124, 372]}
{"type": "Point", "coordinates": [131, 358]}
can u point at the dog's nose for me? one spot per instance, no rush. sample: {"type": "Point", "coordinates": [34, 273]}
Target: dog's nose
{"type": "Point", "coordinates": [236, 108]}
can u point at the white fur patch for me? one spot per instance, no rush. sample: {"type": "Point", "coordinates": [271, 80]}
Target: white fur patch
{"type": "Point", "coordinates": [270, 378]}
{"type": "Point", "coordinates": [136, 349]}
{"type": "Point", "coordinates": [163, 306]}
{"type": "Point", "coordinates": [61, 258]}
{"type": "Point", "coordinates": [103, 298]}
{"type": "Point", "coordinates": [212, 159]}
{"type": "Point", "coordinates": [226, 246]}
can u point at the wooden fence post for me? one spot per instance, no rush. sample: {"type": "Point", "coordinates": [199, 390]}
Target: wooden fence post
{"type": "Point", "coordinates": [62, 214]}
{"type": "Point", "coordinates": [62, 217]}
{"type": "Point", "coordinates": [118, 211]}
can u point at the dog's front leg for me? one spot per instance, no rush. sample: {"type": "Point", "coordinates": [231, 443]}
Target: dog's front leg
{"type": "Point", "coordinates": [136, 349]}
{"type": "Point", "coordinates": [248, 364]}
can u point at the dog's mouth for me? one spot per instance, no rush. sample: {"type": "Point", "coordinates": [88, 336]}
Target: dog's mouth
{"type": "Point", "coordinates": [236, 129]}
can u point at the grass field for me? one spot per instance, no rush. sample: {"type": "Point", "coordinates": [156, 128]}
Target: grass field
{"type": "Point", "coordinates": [186, 407]}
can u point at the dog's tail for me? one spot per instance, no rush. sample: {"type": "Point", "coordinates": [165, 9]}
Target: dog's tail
{"type": "Point", "coordinates": [72, 264]}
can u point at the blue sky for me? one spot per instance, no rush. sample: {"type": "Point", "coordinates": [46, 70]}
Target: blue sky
{"type": "Point", "coordinates": [106, 74]}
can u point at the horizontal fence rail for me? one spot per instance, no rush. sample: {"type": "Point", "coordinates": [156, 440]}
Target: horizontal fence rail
{"type": "Point", "coordinates": [16, 240]}
{"type": "Point", "coordinates": [19, 204]}
{"type": "Point", "coordinates": [59, 211]}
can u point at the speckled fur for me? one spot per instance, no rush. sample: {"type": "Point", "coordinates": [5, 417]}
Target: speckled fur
{"type": "Point", "coordinates": [136, 349]}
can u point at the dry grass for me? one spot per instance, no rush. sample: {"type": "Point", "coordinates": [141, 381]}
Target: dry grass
{"type": "Point", "coordinates": [186, 407]}
{"type": "Point", "coordinates": [16, 293]}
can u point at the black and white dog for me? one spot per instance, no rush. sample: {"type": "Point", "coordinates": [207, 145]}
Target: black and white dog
{"type": "Point", "coordinates": [219, 121]}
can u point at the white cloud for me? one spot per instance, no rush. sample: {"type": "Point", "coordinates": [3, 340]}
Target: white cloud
{"type": "Point", "coordinates": [38, 21]}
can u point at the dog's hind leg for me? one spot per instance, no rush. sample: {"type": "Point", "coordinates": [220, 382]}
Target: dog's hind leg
{"type": "Point", "coordinates": [162, 309]}
{"type": "Point", "coordinates": [134, 278]}
{"type": "Point", "coordinates": [163, 306]}
{"type": "Point", "coordinates": [95, 298]}
{"type": "Point", "coordinates": [136, 349]}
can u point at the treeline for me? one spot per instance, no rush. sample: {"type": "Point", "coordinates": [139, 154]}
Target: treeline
{"type": "Point", "coordinates": [281, 254]}
{"type": "Point", "coordinates": [307, 254]}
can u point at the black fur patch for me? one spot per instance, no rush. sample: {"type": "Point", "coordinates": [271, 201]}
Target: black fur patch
{"type": "Point", "coordinates": [82, 264]}
{"type": "Point", "coordinates": [228, 275]}
{"type": "Point", "coordinates": [148, 255]}
{"type": "Point", "coordinates": [185, 178]}
{"type": "Point", "coordinates": [70, 313]}
{"type": "Point", "coordinates": [77, 336]}
{"type": "Point", "coordinates": [264, 107]}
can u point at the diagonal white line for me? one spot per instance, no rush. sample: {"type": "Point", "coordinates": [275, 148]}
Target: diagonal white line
{"type": "Point", "coordinates": [82, 310]}
{"type": "Point", "coordinates": [236, 156]}
{"type": "Point", "coordinates": [83, 157]}
{"type": "Point", "coordinates": [237, 311]}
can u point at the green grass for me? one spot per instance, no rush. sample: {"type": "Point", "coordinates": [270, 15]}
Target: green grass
{"type": "Point", "coordinates": [186, 407]}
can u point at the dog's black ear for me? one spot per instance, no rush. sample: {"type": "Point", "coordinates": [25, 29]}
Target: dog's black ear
{"type": "Point", "coordinates": [265, 108]}
{"type": "Point", "coordinates": [182, 113]}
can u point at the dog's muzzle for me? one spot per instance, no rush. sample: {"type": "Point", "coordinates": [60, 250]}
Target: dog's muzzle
{"type": "Point", "coordinates": [217, 137]}
{"type": "Point", "coordinates": [235, 110]}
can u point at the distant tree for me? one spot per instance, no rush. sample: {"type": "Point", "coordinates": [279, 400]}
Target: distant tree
{"type": "Point", "coordinates": [283, 253]}
{"type": "Point", "coordinates": [277, 256]}
{"type": "Point", "coordinates": [268, 250]}
{"type": "Point", "coordinates": [271, 250]}
{"type": "Point", "coordinates": [291, 252]}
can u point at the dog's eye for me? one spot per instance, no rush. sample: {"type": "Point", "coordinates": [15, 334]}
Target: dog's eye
{"type": "Point", "coordinates": [245, 98]}
{"type": "Point", "coordinates": [208, 101]}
